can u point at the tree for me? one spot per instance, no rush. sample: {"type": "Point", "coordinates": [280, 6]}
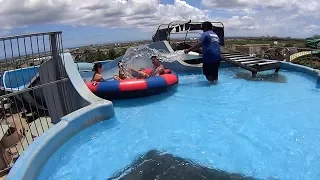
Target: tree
{"type": "Point", "coordinates": [121, 52]}
{"type": "Point", "coordinates": [100, 56]}
{"type": "Point", "coordinates": [112, 53]}
{"type": "Point", "coordinates": [288, 45]}
{"type": "Point", "coordinates": [300, 45]}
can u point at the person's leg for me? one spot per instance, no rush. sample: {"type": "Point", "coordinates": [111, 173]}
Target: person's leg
{"type": "Point", "coordinates": [208, 71]}
{"type": "Point", "coordinates": [216, 71]}
{"type": "Point", "coordinates": [210, 78]}
{"type": "Point", "coordinates": [204, 69]}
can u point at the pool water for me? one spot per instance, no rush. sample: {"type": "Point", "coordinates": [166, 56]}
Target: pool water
{"type": "Point", "coordinates": [264, 129]}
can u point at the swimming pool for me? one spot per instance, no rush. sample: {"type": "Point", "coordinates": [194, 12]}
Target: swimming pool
{"type": "Point", "coordinates": [262, 129]}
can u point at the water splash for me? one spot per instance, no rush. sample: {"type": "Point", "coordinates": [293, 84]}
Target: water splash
{"type": "Point", "coordinates": [145, 52]}
{"type": "Point", "coordinates": [139, 57]}
{"type": "Point", "coordinates": [171, 57]}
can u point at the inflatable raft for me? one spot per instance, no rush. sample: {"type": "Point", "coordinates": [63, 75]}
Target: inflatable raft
{"type": "Point", "coordinates": [134, 88]}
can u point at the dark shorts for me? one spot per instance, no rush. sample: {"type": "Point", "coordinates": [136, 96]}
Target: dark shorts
{"type": "Point", "coordinates": [210, 70]}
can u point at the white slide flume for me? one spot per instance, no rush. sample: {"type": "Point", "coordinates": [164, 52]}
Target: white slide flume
{"type": "Point", "coordinates": [190, 56]}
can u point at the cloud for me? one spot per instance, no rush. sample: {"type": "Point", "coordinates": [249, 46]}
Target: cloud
{"type": "Point", "coordinates": [224, 4]}
{"type": "Point", "coordinates": [312, 28]}
{"type": "Point", "coordinates": [304, 8]}
{"type": "Point", "coordinates": [105, 13]}
{"type": "Point", "coordinates": [273, 17]}
{"type": "Point", "coordinates": [241, 17]}
{"type": "Point", "coordinates": [243, 22]}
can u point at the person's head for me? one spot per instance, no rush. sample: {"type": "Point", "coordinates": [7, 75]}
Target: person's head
{"type": "Point", "coordinates": [206, 26]}
{"type": "Point", "coordinates": [97, 68]}
{"type": "Point", "coordinates": [155, 60]}
{"type": "Point", "coordinates": [121, 75]}
{"type": "Point", "coordinates": [121, 65]}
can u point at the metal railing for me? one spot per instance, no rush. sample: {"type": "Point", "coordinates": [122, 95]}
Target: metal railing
{"type": "Point", "coordinates": [307, 57]}
{"type": "Point", "coordinates": [33, 93]}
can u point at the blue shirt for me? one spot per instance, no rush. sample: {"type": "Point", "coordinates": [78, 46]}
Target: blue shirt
{"type": "Point", "coordinates": [210, 43]}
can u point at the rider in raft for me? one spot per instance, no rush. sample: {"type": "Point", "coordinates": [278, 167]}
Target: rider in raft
{"type": "Point", "coordinates": [97, 68]}
{"type": "Point", "coordinates": [158, 68]}
{"type": "Point", "coordinates": [125, 73]}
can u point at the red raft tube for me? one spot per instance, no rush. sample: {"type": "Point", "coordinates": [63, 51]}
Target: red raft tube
{"type": "Point", "coordinates": [134, 88]}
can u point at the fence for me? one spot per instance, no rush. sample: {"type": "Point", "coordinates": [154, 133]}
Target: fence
{"type": "Point", "coordinates": [34, 93]}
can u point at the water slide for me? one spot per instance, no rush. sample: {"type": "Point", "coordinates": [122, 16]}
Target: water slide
{"type": "Point", "coordinates": [311, 43]}
{"type": "Point", "coordinates": [303, 53]}
{"type": "Point", "coordinates": [20, 79]}
{"type": "Point", "coordinates": [137, 57]}
{"type": "Point", "coordinates": [299, 55]}
{"type": "Point", "coordinates": [179, 56]}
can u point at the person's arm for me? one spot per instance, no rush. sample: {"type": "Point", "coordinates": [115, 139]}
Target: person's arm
{"type": "Point", "coordinates": [145, 74]}
{"type": "Point", "coordinates": [134, 70]}
{"type": "Point", "coordinates": [99, 78]}
{"type": "Point", "coordinates": [203, 40]}
{"type": "Point", "coordinates": [95, 77]}
{"type": "Point", "coordinates": [140, 72]}
{"type": "Point", "coordinates": [115, 77]}
{"type": "Point", "coordinates": [193, 48]}
{"type": "Point", "coordinates": [161, 71]}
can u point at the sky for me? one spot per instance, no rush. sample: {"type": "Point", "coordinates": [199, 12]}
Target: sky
{"type": "Point", "coordinates": [103, 21]}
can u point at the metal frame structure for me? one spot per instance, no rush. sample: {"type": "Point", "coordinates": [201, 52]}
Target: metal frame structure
{"type": "Point", "coordinates": [185, 27]}
{"type": "Point", "coordinates": [36, 86]}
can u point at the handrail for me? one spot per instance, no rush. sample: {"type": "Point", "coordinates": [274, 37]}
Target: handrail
{"type": "Point", "coordinates": [193, 32]}
{"type": "Point", "coordinates": [29, 35]}
{"type": "Point", "coordinates": [212, 22]}
{"type": "Point", "coordinates": [178, 23]}
{"type": "Point", "coordinates": [168, 38]}
{"type": "Point", "coordinates": [166, 25]}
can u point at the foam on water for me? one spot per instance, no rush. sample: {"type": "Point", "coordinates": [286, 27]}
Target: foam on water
{"type": "Point", "coordinates": [265, 128]}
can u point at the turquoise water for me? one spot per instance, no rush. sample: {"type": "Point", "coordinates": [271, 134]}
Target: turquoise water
{"type": "Point", "coordinates": [263, 129]}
